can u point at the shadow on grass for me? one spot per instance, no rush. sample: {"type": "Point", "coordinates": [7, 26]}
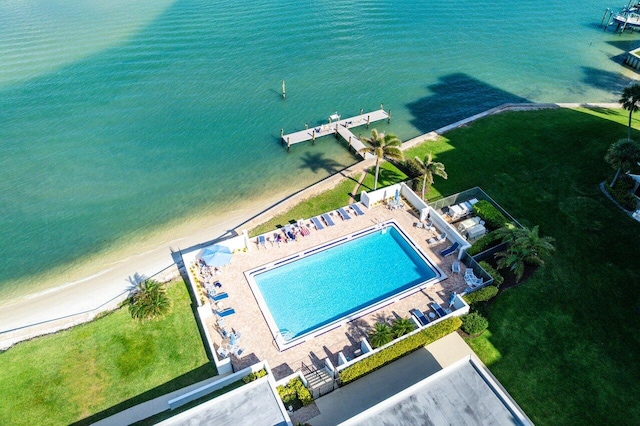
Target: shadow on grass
{"type": "Point", "coordinates": [194, 376]}
{"type": "Point", "coordinates": [455, 97]}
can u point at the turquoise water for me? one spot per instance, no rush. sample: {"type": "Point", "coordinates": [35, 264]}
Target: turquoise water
{"type": "Point", "coordinates": [316, 290]}
{"type": "Point", "coordinates": [120, 119]}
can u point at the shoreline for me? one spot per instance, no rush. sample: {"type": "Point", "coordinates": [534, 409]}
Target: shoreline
{"type": "Point", "coordinates": [69, 304]}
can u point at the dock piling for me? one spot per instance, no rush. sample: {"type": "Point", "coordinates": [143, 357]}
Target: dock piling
{"type": "Point", "coordinates": [368, 120]}
{"type": "Point", "coordinates": [389, 117]}
{"type": "Point", "coordinates": [288, 145]}
{"type": "Point", "coordinates": [284, 91]}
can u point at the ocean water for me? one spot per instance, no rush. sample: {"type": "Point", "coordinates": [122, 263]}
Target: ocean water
{"type": "Point", "coordinates": [120, 120]}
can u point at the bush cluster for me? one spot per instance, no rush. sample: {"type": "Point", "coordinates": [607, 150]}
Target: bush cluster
{"type": "Point", "coordinates": [295, 394]}
{"type": "Point", "coordinates": [481, 295]}
{"type": "Point", "coordinates": [485, 242]}
{"type": "Point", "coordinates": [474, 323]}
{"type": "Point", "coordinates": [498, 279]}
{"type": "Point", "coordinates": [399, 349]}
{"type": "Point", "coordinates": [621, 192]}
{"type": "Point", "coordinates": [254, 376]}
{"type": "Point", "coordinates": [491, 215]}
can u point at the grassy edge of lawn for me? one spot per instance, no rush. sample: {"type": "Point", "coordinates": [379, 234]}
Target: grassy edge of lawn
{"type": "Point", "coordinates": [333, 198]}
{"type": "Point", "coordinates": [94, 370]}
{"type": "Point", "coordinates": [547, 337]}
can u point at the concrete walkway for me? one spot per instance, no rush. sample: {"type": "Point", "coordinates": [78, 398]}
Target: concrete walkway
{"type": "Point", "coordinates": [364, 393]}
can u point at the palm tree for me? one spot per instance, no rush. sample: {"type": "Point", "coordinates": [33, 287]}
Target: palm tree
{"type": "Point", "coordinates": [630, 101]}
{"type": "Point", "coordinates": [402, 326]}
{"type": "Point", "coordinates": [380, 335]}
{"type": "Point", "coordinates": [526, 247]}
{"type": "Point", "coordinates": [622, 154]}
{"type": "Point", "coordinates": [429, 169]}
{"type": "Point", "coordinates": [382, 146]}
{"type": "Point", "coordinates": [149, 301]}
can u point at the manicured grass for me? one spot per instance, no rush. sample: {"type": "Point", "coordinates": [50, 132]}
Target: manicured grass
{"type": "Point", "coordinates": [96, 369]}
{"type": "Point", "coordinates": [332, 199]}
{"type": "Point", "coordinates": [564, 344]}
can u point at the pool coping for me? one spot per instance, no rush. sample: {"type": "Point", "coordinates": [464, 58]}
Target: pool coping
{"type": "Point", "coordinates": [279, 339]}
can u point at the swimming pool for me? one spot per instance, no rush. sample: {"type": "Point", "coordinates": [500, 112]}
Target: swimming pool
{"type": "Point", "coordinates": [310, 292]}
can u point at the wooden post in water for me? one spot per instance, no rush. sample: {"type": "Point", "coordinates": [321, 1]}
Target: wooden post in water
{"type": "Point", "coordinates": [389, 117]}
{"type": "Point", "coordinates": [306, 126]}
{"type": "Point", "coordinates": [604, 16]}
{"type": "Point", "coordinates": [382, 107]}
{"type": "Point", "coordinates": [368, 120]}
{"type": "Point", "coordinates": [281, 136]}
{"type": "Point", "coordinates": [313, 137]}
{"type": "Point", "coordinates": [288, 145]}
{"type": "Point", "coordinates": [361, 110]}
{"type": "Point", "coordinates": [284, 91]}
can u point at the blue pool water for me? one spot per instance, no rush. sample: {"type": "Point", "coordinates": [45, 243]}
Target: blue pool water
{"type": "Point", "coordinates": [319, 289]}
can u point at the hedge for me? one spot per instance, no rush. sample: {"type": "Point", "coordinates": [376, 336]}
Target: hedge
{"type": "Point", "coordinates": [621, 192]}
{"type": "Point", "coordinates": [254, 376]}
{"type": "Point", "coordinates": [491, 215]}
{"type": "Point", "coordinates": [474, 324]}
{"type": "Point", "coordinates": [485, 242]}
{"type": "Point", "coordinates": [498, 279]}
{"type": "Point", "coordinates": [481, 295]}
{"type": "Point", "coordinates": [295, 394]}
{"type": "Point", "coordinates": [399, 349]}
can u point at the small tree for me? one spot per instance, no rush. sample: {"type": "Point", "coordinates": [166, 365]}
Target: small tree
{"type": "Point", "coordinates": [474, 324]}
{"type": "Point", "coordinates": [402, 326]}
{"type": "Point", "coordinates": [149, 301]}
{"type": "Point", "coordinates": [382, 146]}
{"type": "Point", "coordinates": [630, 101]}
{"type": "Point", "coordinates": [429, 169]}
{"type": "Point", "coordinates": [526, 246]}
{"type": "Point", "coordinates": [380, 335]}
{"type": "Point", "coordinates": [622, 155]}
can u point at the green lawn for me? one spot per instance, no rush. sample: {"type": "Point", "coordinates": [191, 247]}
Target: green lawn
{"type": "Point", "coordinates": [564, 344]}
{"type": "Point", "coordinates": [102, 367]}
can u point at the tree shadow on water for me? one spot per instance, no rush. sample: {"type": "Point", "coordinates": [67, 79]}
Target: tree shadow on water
{"type": "Point", "coordinates": [455, 97]}
{"type": "Point", "coordinates": [316, 162]}
{"type": "Point", "coordinates": [605, 80]}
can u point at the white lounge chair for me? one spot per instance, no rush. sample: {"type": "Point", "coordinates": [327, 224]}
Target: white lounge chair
{"type": "Point", "coordinates": [455, 267]}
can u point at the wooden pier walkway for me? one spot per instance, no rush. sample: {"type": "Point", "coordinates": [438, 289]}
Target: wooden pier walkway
{"type": "Point", "coordinates": [341, 127]}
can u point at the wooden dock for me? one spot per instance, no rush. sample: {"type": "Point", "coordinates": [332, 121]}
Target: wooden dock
{"type": "Point", "coordinates": [339, 127]}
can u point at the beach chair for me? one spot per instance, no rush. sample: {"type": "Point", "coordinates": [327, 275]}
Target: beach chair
{"type": "Point", "coordinates": [418, 225]}
{"type": "Point", "coordinates": [262, 241]}
{"type": "Point", "coordinates": [446, 252]}
{"type": "Point", "coordinates": [419, 316]}
{"type": "Point", "coordinates": [437, 309]}
{"type": "Point", "coordinates": [222, 352]}
{"type": "Point", "coordinates": [288, 229]}
{"type": "Point", "coordinates": [437, 239]}
{"type": "Point", "coordinates": [343, 214]}
{"type": "Point", "coordinates": [304, 231]}
{"type": "Point", "coordinates": [328, 219]}
{"type": "Point", "coordinates": [225, 312]}
{"type": "Point", "coordinates": [358, 211]}
{"type": "Point", "coordinates": [237, 352]}
{"type": "Point", "coordinates": [317, 223]}
{"type": "Point", "coordinates": [218, 297]}
{"type": "Point", "coordinates": [455, 267]}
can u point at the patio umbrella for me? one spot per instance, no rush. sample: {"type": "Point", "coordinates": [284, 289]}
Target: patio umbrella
{"type": "Point", "coordinates": [453, 297]}
{"type": "Point", "coordinates": [216, 255]}
{"type": "Point", "coordinates": [397, 198]}
{"type": "Point", "coordinates": [233, 339]}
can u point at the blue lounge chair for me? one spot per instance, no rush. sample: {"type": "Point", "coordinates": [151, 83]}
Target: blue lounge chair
{"type": "Point", "coordinates": [225, 312]}
{"type": "Point", "coordinates": [448, 251]}
{"type": "Point", "coordinates": [343, 214]}
{"type": "Point", "coordinates": [261, 241]}
{"type": "Point", "coordinates": [218, 297]}
{"type": "Point", "coordinates": [317, 223]}
{"type": "Point", "coordinates": [438, 309]}
{"type": "Point", "coordinates": [422, 320]}
{"type": "Point", "coordinates": [288, 230]}
{"type": "Point", "coordinates": [328, 219]}
{"type": "Point", "coordinates": [357, 209]}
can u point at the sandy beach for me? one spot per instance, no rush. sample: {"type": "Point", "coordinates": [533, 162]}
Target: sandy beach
{"type": "Point", "coordinates": [80, 301]}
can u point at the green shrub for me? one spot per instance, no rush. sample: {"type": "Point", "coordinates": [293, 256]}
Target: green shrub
{"type": "Point", "coordinates": [402, 326]}
{"type": "Point", "coordinates": [485, 242]}
{"type": "Point", "coordinates": [498, 279]}
{"type": "Point", "coordinates": [621, 192]}
{"type": "Point", "coordinates": [474, 323]}
{"type": "Point", "coordinates": [254, 376]}
{"type": "Point", "coordinates": [481, 295]}
{"type": "Point", "coordinates": [295, 394]}
{"type": "Point", "coordinates": [399, 349]}
{"type": "Point", "coordinates": [380, 335]}
{"type": "Point", "coordinates": [491, 215]}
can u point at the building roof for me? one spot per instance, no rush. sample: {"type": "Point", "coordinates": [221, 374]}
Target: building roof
{"type": "Point", "coordinates": [463, 393]}
{"type": "Point", "coordinates": [255, 403]}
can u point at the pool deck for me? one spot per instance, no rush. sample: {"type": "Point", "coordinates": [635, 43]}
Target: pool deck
{"type": "Point", "coordinates": [256, 339]}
